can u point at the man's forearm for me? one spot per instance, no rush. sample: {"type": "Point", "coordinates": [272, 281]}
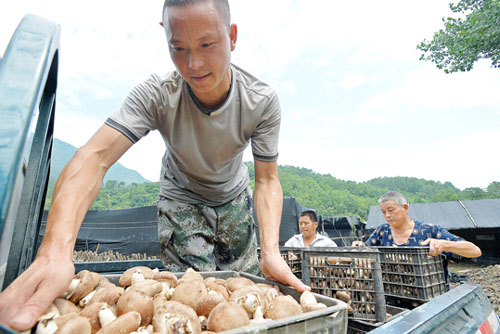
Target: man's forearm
{"type": "Point", "coordinates": [76, 189]}
{"type": "Point", "coordinates": [463, 248]}
{"type": "Point", "coordinates": [268, 202]}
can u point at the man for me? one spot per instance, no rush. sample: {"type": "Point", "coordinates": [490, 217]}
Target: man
{"type": "Point", "coordinates": [309, 237]}
{"type": "Point", "coordinates": [207, 111]}
{"type": "Point", "coordinates": [401, 230]}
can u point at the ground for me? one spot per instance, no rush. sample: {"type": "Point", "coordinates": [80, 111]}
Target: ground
{"type": "Point", "coordinates": [486, 276]}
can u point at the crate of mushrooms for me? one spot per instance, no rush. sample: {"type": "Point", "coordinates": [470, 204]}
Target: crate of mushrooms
{"type": "Point", "coordinates": [148, 301]}
{"type": "Point", "coordinates": [351, 274]}
{"type": "Point", "coordinates": [410, 273]}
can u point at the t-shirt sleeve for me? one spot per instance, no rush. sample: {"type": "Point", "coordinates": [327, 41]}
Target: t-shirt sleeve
{"type": "Point", "coordinates": [331, 243]}
{"type": "Point", "coordinates": [136, 117]}
{"type": "Point", "coordinates": [265, 137]}
{"type": "Point", "coordinates": [440, 232]}
{"type": "Point", "coordinates": [374, 240]}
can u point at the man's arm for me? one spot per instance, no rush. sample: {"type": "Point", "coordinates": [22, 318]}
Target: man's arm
{"type": "Point", "coordinates": [268, 202]}
{"type": "Point", "coordinates": [76, 189]}
{"type": "Point", "coordinates": [462, 248]}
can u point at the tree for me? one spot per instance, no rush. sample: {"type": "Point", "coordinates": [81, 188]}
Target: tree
{"type": "Point", "coordinates": [474, 193]}
{"type": "Point", "coordinates": [466, 40]}
{"type": "Point", "coordinates": [494, 189]}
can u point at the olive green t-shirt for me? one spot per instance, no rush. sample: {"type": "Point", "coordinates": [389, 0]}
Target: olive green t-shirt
{"type": "Point", "coordinates": [204, 152]}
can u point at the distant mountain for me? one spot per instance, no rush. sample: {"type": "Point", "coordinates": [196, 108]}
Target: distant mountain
{"type": "Point", "coordinates": [328, 195]}
{"type": "Point", "coordinates": [62, 152]}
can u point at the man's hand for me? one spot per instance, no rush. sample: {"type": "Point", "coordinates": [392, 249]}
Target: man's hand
{"type": "Point", "coordinates": [436, 246]}
{"type": "Point", "coordinates": [357, 243]}
{"type": "Point", "coordinates": [29, 296]}
{"type": "Point", "coordinates": [275, 268]}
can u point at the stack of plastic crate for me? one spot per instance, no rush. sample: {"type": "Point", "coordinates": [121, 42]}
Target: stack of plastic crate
{"type": "Point", "coordinates": [409, 273]}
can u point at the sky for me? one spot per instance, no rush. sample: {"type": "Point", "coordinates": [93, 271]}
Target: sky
{"type": "Point", "coordinates": [357, 103]}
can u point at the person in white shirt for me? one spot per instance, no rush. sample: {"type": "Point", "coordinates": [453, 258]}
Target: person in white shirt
{"type": "Point", "coordinates": [309, 237]}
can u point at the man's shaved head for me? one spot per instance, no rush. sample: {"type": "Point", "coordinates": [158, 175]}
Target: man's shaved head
{"type": "Point", "coordinates": [222, 7]}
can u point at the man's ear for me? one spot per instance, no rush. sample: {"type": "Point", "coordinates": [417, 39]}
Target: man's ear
{"type": "Point", "coordinates": [233, 36]}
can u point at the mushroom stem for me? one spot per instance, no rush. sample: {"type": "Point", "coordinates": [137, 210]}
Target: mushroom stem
{"type": "Point", "coordinates": [250, 303]}
{"type": "Point", "coordinates": [85, 300]}
{"type": "Point", "coordinates": [71, 288]}
{"type": "Point", "coordinates": [258, 316]}
{"type": "Point", "coordinates": [137, 276]}
{"type": "Point", "coordinates": [106, 316]}
{"type": "Point", "coordinates": [46, 324]}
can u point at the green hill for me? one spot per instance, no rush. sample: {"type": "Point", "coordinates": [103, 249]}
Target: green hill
{"type": "Point", "coordinates": [62, 152]}
{"type": "Point", "coordinates": [124, 188]}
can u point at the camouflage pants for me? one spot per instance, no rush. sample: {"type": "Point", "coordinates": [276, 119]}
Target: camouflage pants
{"type": "Point", "coordinates": [208, 238]}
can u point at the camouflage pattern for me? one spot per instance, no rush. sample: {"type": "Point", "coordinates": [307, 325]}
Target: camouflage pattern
{"type": "Point", "coordinates": [208, 238]}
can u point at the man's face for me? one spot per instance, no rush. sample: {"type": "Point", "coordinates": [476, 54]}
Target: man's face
{"type": "Point", "coordinates": [200, 46]}
{"type": "Point", "coordinates": [307, 227]}
{"type": "Point", "coordinates": [394, 213]}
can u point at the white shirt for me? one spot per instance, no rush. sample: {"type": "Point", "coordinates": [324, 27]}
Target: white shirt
{"type": "Point", "coordinates": [320, 241]}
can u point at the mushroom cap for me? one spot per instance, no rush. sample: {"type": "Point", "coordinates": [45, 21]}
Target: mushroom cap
{"type": "Point", "coordinates": [65, 306]}
{"type": "Point", "coordinates": [107, 293]}
{"type": "Point", "coordinates": [234, 283]}
{"type": "Point", "coordinates": [313, 307]}
{"type": "Point", "coordinates": [282, 307]}
{"type": "Point", "coordinates": [220, 281]}
{"type": "Point", "coordinates": [207, 302]}
{"type": "Point", "coordinates": [175, 315]}
{"type": "Point", "coordinates": [307, 298]}
{"type": "Point", "coordinates": [61, 320]}
{"type": "Point", "coordinates": [124, 324]}
{"type": "Point", "coordinates": [166, 276]}
{"type": "Point", "coordinates": [227, 316]}
{"type": "Point", "coordinates": [343, 296]}
{"type": "Point", "coordinates": [220, 289]}
{"type": "Point", "coordinates": [126, 278]}
{"type": "Point", "coordinates": [136, 301]}
{"type": "Point", "coordinates": [148, 286]}
{"type": "Point", "coordinates": [159, 300]}
{"type": "Point", "coordinates": [77, 324]}
{"type": "Point", "coordinates": [190, 275]}
{"type": "Point", "coordinates": [210, 279]}
{"type": "Point", "coordinates": [189, 292]}
{"type": "Point", "coordinates": [88, 282]}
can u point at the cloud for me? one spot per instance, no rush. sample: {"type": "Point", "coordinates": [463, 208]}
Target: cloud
{"type": "Point", "coordinates": [358, 60]}
{"type": "Point", "coordinates": [356, 79]}
{"type": "Point", "coordinates": [466, 161]}
{"type": "Point", "coordinates": [426, 88]}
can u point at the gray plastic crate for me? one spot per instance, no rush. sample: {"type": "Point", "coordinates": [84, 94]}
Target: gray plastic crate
{"type": "Point", "coordinates": [410, 273]}
{"type": "Point", "coordinates": [354, 270]}
{"type": "Point", "coordinates": [332, 320]}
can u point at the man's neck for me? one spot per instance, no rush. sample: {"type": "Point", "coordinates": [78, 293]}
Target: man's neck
{"type": "Point", "coordinates": [310, 239]}
{"type": "Point", "coordinates": [207, 103]}
{"type": "Point", "coordinates": [407, 225]}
